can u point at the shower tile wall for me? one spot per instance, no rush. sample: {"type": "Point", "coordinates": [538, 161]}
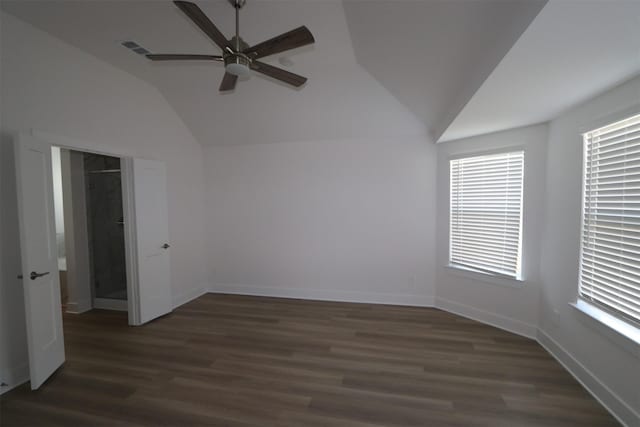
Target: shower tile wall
{"type": "Point", "coordinates": [106, 229]}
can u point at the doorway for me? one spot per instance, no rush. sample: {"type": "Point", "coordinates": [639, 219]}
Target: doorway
{"type": "Point", "coordinates": [90, 235]}
{"type": "Point", "coordinates": [146, 248]}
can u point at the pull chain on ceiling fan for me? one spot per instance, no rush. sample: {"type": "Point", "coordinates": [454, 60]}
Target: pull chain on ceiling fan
{"type": "Point", "coordinates": [238, 56]}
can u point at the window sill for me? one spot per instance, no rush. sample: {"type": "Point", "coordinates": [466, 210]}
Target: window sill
{"type": "Point", "coordinates": [622, 333]}
{"type": "Point", "coordinates": [494, 279]}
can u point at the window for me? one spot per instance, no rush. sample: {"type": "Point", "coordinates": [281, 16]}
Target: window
{"type": "Point", "coordinates": [486, 213]}
{"type": "Point", "coordinates": [610, 256]}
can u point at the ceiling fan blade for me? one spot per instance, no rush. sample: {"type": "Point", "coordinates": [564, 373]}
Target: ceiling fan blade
{"type": "Point", "coordinates": [278, 73]}
{"type": "Point", "coordinates": [182, 57]}
{"type": "Point", "coordinates": [298, 37]}
{"type": "Point", "coordinates": [201, 20]}
{"type": "Point", "coordinates": [228, 82]}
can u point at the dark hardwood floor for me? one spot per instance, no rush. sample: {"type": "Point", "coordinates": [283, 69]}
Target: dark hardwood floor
{"type": "Point", "coordinates": [245, 361]}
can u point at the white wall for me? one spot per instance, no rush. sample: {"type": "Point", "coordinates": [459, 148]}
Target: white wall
{"type": "Point", "coordinates": [77, 233]}
{"type": "Point", "coordinates": [604, 361]}
{"type": "Point", "coordinates": [55, 88]}
{"type": "Point", "coordinates": [344, 219]}
{"type": "Point", "coordinates": [506, 303]}
{"type": "Point", "coordinates": [348, 220]}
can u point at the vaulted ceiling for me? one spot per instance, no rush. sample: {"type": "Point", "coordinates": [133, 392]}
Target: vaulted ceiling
{"type": "Point", "coordinates": [443, 68]}
{"type": "Point", "coordinates": [571, 52]}
{"type": "Point", "coordinates": [377, 67]}
{"type": "Point", "coordinates": [433, 55]}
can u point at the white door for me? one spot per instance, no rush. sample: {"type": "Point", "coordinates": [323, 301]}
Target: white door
{"type": "Point", "coordinates": [152, 232]}
{"type": "Point", "coordinates": [39, 258]}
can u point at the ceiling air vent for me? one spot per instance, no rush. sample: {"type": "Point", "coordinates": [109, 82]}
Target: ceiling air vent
{"type": "Point", "coordinates": [131, 45]}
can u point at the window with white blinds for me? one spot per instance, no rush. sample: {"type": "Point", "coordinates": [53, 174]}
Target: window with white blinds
{"type": "Point", "coordinates": [486, 212]}
{"type": "Point", "coordinates": [610, 258]}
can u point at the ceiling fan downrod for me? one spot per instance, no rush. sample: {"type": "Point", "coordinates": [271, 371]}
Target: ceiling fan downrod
{"type": "Point", "coordinates": [236, 62]}
{"type": "Point", "coordinates": [237, 5]}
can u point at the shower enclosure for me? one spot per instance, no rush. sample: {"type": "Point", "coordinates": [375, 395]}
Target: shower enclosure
{"type": "Point", "coordinates": [106, 231]}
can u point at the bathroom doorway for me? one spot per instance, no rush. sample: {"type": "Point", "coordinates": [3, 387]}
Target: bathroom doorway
{"type": "Point", "coordinates": [90, 232]}
{"type": "Point", "coordinates": [105, 220]}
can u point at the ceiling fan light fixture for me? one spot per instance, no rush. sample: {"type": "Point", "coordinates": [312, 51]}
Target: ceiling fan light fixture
{"type": "Point", "coordinates": [239, 58]}
{"type": "Point", "coordinates": [237, 65]}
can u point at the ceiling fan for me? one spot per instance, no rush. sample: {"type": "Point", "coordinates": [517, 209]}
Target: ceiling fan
{"type": "Point", "coordinates": [238, 57]}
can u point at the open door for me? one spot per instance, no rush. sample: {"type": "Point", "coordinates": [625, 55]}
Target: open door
{"type": "Point", "coordinates": [152, 236]}
{"type": "Point", "coordinates": [39, 258]}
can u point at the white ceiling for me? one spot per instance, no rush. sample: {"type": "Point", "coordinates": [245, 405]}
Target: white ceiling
{"type": "Point", "coordinates": [433, 55]}
{"type": "Point", "coordinates": [415, 62]}
{"type": "Point", "coordinates": [572, 51]}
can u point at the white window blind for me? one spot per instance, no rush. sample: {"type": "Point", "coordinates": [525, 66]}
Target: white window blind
{"type": "Point", "coordinates": [486, 212]}
{"type": "Point", "coordinates": [610, 258]}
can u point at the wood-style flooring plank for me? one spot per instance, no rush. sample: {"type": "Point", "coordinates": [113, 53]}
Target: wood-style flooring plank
{"type": "Point", "coordinates": [239, 361]}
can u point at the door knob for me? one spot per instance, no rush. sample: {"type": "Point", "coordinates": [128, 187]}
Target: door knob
{"type": "Point", "coordinates": [166, 246]}
{"type": "Point", "coordinates": [35, 275]}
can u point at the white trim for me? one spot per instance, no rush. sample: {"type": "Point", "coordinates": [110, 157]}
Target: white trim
{"type": "Point", "coordinates": [481, 276]}
{"type": "Point", "coordinates": [85, 145]}
{"type": "Point", "coordinates": [507, 323]}
{"type": "Point", "coordinates": [326, 295]}
{"type": "Point", "coordinates": [500, 150]}
{"type": "Point", "coordinates": [79, 307]}
{"type": "Point", "coordinates": [584, 227]}
{"type": "Point", "coordinates": [620, 332]}
{"type": "Point", "coordinates": [622, 411]}
{"type": "Point", "coordinates": [130, 241]}
{"type": "Point", "coordinates": [603, 394]}
{"type": "Point", "coordinates": [185, 297]}
{"type": "Point", "coordinates": [110, 304]}
{"type": "Point", "coordinates": [519, 155]}
{"type": "Point", "coordinates": [14, 377]}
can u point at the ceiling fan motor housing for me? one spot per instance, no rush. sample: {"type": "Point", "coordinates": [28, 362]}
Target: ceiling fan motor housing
{"type": "Point", "coordinates": [237, 64]}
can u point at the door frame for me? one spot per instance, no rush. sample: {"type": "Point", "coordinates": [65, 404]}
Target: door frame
{"type": "Point", "coordinates": [128, 210]}
{"type": "Point", "coordinates": [130, 241]}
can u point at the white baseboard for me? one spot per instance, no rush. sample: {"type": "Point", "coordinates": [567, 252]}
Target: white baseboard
{"type": "Point", "coordinates": [79, 307]}
{"type": "Point", "coordinates": [185, 297]}
{"type": "Point", "coordinates": [617, 407]}
{"type": "Point", "coordinates": [603, 394]}
{"type": "Point", "coordinates": [622, 411]}
{"type": "Point", "coordinates": [14, 377]}
{"type": "Point", "coordinates": [326, 295]}
{"type": "Point", "coordinates": [507, 323]}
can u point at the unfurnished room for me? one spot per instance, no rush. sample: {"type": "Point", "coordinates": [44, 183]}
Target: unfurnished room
{"type": "Point", "coordinates": [320, 213]}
